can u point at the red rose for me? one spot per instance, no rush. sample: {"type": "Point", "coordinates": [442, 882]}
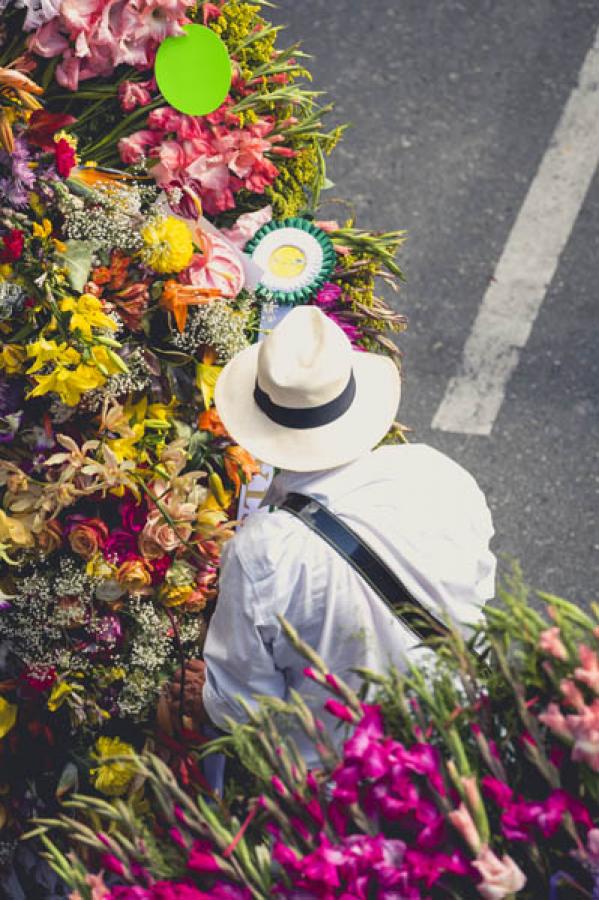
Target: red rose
{"type": "Point", "coordinates": [65, 157]}
{"type": "Point", "coordinates": [14, 242]}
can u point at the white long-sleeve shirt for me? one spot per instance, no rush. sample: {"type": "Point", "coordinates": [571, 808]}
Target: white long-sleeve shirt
{"type": "Point", "coordinates": [419, 510]}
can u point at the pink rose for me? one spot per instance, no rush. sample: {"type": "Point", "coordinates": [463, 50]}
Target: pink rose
{"type": "Point", "coordinates": [500, 877]}
{"type": "Point", "coordinates": [158, 537]}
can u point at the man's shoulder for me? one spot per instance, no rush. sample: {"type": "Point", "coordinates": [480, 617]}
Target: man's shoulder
{"type": "Point", "coordinates": [266, 538]}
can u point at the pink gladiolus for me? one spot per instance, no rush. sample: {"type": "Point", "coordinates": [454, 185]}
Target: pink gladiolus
{"type": "Point", "coordinates": [550, 642]}
{"type": "Point", "coordinates": [588, 672]}
{"type": "Point", "coordinates": [279, 786]}
{"type": "Point", "coordinates": [463, 822]}
{"type": "Point", "coordinates": [572, 695]}
{"type": "Point", "coordinates": [593, 846]}
{"type": "Point", "coordinates": [554, 719]}
{"type": "Point", "coordinates": [133, 94]}
{"type": "Point", "coordinates": [584, 729]}
{"type": "Point", "coordinates": [500, 877]}
{"type": "Point", "coordinates": [339, 710]}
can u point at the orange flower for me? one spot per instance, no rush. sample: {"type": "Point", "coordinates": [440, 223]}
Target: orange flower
{"type": "Point", "coordinates": [240, 466]}
{"type": "Point", "coordinates": [209, 420]}
{"type": "Point", "coordinates": [134, 575]}
{"type": "Point", "coordinates": [177, 298]}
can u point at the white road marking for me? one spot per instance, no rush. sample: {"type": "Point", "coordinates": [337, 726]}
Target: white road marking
{"type": "Point", "coordinates": [509, 308]}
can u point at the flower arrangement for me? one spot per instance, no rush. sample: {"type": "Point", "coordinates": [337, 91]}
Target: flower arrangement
{"type": "Point", "coordinates": [471, 775]}
{"type": "Point", "coordinates": [124, 289]}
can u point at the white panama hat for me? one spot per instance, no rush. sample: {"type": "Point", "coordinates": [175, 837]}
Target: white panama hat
{"type": "Point", "coordinates": [303, 399]}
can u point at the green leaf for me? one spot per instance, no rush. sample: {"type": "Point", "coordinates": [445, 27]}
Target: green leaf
{"type": "Point", "coordinates": [77, 260]}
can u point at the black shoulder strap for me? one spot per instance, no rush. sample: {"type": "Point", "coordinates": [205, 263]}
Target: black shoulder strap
{"type": "Point", "coordinates": [368, 564]}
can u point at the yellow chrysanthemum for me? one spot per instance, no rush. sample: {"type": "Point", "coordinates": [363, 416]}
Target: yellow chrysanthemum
{"type": "Point", "coordinates": [86, 313]}
{"type": "Point", "coordinates": [168, 245]}
{"type": "Point", "coordinates": [12, 357]}
{"type": "Point", "coordinates": [112, 778]}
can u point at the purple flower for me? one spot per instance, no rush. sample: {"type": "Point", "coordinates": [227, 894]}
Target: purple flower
{"type": "Point", "coordinates": [16, 186]}
{"type": "Point", "coordinates": [328, 295]}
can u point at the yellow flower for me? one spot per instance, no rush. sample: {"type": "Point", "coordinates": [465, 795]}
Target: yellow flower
{"type": "Point", "coordinates": [168, 245]}
{"type": "Point", "coordinates": [206, 378]}
{"type": "Point", "coordinates": [98, 567]}
{"type": "Point", "coordinates": [58, 695]}
{"type": "Point", "coordinates": [125, 447]}
{"type": "Point", "coordinates": [42, 231]}
{"type": "Point", "coordinates": [5, 271]}
{"type": "Point", "coordinates": [12, 358]}
{"type": "Point", "coordinates": [211, 514]}
{"type": "Point", "coordinates": [86, 314]}
{"type": "Point", "coordinates": [8, 716]}
{"type": "Point", "coordinates": [134, 575]}
{"type": "Point", "coordinates": [69, 384]}
{"type": "Point", "coordinates": [175, 595]}
{"type": "Point", "coordinates": [107, 361]}
{"type": "Point", "coordinates": [65, 136]}
{"type": "Point", "coordinates": [49, 351]}
{"type": "Point", "coordinates": [112, 778]}
{"type": "Point", "coordinates": [36, 204]}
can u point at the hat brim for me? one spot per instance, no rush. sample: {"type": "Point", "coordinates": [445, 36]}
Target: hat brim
{"type": "Point", "coordinates": [378, 391]}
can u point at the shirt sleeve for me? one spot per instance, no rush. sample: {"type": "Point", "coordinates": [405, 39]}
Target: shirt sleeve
{"type": "Point", "coordinates": [239, 661]}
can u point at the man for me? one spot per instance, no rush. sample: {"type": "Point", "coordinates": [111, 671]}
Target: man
{"type": "Point", "coordinates": [305, 402]}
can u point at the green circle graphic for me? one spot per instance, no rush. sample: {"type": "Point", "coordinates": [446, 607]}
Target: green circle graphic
{"type": "Point", "coordinates": [193, 71]}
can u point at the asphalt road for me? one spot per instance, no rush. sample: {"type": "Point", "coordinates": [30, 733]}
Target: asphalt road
{"type": "Point", "coordinates": [453, 105]}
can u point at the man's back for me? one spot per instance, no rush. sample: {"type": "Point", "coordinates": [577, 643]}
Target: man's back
{"type": "Point", "coordinates": [420, 511]}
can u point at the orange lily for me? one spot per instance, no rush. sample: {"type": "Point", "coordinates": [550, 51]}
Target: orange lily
{"type": "Point", "coordinates": [239, 464]}
{"type": "Point", "coordinates": [92, 175]}
{"type": "Point", "coordinates": [18, 87]}
{"type": "Point", "coordinates": [177, 298]}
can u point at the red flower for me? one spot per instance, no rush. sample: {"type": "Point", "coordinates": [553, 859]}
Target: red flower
{"type": "Point", "coordinates": [14, 242]}
{"type": "Point", "coordinates": [65, 157]}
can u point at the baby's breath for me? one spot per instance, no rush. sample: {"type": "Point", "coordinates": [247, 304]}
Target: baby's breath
{"type": "Point", "coordinates": [218, 325]}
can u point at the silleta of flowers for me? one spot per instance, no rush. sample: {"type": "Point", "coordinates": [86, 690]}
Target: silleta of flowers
{"type": "Point", "coordinates": [124, 288]}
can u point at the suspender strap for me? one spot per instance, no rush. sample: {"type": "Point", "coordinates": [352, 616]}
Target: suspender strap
{"type": "Point", "coordinates": [368, 564]}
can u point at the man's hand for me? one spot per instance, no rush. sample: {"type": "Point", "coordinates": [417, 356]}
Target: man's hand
{"type": "Point", "coordinates": [192, 706]}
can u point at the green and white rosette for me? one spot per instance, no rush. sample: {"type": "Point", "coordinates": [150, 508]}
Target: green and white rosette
{"type": "Point", "coordinates": [296, 258]}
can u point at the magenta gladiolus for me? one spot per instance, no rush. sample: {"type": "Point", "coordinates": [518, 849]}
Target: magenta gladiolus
{"type": "Point", "coordinates": [339, 710]}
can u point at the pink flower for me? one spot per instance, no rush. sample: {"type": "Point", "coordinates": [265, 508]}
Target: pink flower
{"type": "Point", "coordinates": [99, 890]}
{"type": "Point", "coordinates": [593, 846]}
{"type": "Point", "coordinates": [500, 877]}
{"type": "Point", "coordinates": [554, 719]}
{"type": "Point", "coordinates": [497, 790]}
{"type": "Point", "coordinates": [550, 642]}
{"type": "Point", "coordinates": [133, 514]}
{"type": "Point", "coordinates": [133, 94]}
{"type": "Point", "coordinates": [218, 267]}
{"type": "Point", "coordinates": [572, 695]}
{"type": "Point", "coordinates": [246, 226]}
{"type": "Point", "coordinates": [339, 710]}
{"type": "Point", "coordinates": [121, 546]}
{"type": "Point", "coordinates": [133, 148]}
{"type": "Point", "coordinates": [328, 295]}
{"type": "Point", "coordinates": [588, 672]}
{"type": "Point", "coordinates": [202, 859]}
{"type": "Point", "coordinates": [584, 729]}
{"type": "Point", "coordinates": [463, 822]}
